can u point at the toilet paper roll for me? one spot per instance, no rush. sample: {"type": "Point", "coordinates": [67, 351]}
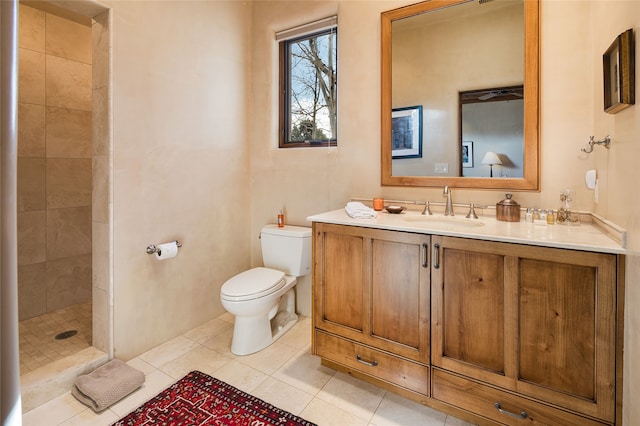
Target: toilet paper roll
{"type": "Point", "coordinates": [167, 250]}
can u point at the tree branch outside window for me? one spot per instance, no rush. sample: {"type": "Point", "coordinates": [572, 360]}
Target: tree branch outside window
{"type": "Point", "coordinates": [308, 107]}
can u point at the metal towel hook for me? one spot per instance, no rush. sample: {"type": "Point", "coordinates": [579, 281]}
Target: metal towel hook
{"type": "Point", "coordinates": [606, 142]}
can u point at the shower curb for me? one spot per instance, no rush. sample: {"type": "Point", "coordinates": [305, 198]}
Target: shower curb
{"type": "Point", "coordinates": [57, 378]}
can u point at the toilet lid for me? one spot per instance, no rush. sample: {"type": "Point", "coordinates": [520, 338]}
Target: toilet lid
{"type": "Point", "coordinates": [252, 284]}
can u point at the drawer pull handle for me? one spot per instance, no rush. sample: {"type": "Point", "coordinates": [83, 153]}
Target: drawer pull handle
{"type": "Point", "coordinates": [521, 416]}
{"type": "Point", "coordinates": [436, 256]}
{"type": "Point", "coordinates": [369, 363]}
{"type": "Point", "coordinates": [425, 255]}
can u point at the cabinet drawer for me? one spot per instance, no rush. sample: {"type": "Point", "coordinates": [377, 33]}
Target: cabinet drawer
{"type": "Point", "coordinates": [381, 365]}
{"type": "Point", "coordinates": [481, 399]}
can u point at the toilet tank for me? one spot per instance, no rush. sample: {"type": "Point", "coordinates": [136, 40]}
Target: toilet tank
{"type": "Point", "coordinates": [287, 249]}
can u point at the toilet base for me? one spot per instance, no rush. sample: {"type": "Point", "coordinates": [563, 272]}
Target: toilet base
{"type": "Point", "coordinates": [252, 334]}
{"type": "Point", "coordinates": [282, 325]}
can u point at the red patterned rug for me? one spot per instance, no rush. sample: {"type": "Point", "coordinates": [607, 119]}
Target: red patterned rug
{"type": "Point", "coordinates": [199, 399]}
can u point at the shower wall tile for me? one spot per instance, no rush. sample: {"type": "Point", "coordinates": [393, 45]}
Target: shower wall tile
{"type": "Point", "coordinates": [101, 319]}
{"type": "Point", "coordinates": [32, 290]}
{"type": "Point", "coordinates": [68, 182]}
{"type": "Point", "coordinates": [101, 262]}
{"type": "Point", "coordinates": [68, 39]}
{"type": "Point", "coordinates": [31, 184]}
{"type": "Point", "coordinates": [32, 236]}
{"type": "Point", "coordinates": [68, 83]}
{"type": "Point", "coordinates": [31, 130]}
{"type": "Point", "coordinates": [68, 281]}
{"type": "Point", "coordinates": [31, 77]}
{"type": "Point", "coordinates": [31, 32]}
{"type": "Point", "coordinates": [101, 189]}
{"type": "Point", "coordinates": [102, 193]}
{"type": "Point", "coordinates": [68, 133]}
{"type": "Point", "coordinates": [100, 35]}
{"type": "Point", "coordinates": [55, 162]}
{"type": "Point", "coordinates": [101, 121]}
{"type": "Point", "coordinates": [68, 232]}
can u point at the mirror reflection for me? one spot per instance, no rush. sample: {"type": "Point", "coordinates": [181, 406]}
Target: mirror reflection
{"type": "Point", "coordinates": [464, 65]}
{"type": "Point", "coordinates": [492, 129]}
{"type": "Point", "coordinates": [471, 46]}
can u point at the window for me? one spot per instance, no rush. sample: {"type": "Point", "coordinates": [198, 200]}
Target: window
{"type": "Point", "coordinates": [308, 85]}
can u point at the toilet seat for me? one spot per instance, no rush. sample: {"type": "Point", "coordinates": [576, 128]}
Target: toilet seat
{"type": "Point", "coordinates": [252, 284]}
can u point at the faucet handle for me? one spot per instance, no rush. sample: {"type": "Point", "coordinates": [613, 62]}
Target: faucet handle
{"type": "Point", "coordinates": [472, 211]}
{"type": "Point", "coordinates": [427, 209]}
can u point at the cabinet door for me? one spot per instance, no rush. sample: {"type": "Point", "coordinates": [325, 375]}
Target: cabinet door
{"type": "Point", "coordinates": [400, 299]}
{"type": "Point", "coordinates": [567, 330]}
{"type": "Point", "coordinates": [470, 309]}
{"type": "Point", "coordinates": [372, 286]}
{"type": "Point", "coordinates": [538, 321]}
{"type": "Point", "coordinates": [339, 279]}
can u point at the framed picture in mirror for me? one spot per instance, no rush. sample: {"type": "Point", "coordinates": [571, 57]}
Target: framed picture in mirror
{"type": "Point", "coordinates": [618, 65]}
{"type": "Point", "coordinates": [467, 154]}
{"type": "Point", "coordinates": [406, 132]}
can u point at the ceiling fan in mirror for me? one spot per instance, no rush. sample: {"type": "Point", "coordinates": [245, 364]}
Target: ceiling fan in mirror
{"type": "Point", "coordinates": [493, 94]}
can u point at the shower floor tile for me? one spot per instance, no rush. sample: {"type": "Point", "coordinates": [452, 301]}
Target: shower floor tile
{"type": "Point", "coordinates": [38, 345]}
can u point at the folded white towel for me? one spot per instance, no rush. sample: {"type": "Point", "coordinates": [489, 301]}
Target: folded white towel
{"type": "Point", "coordinates": [357, 210]}
{"type": "Point", "coordinates": [107, 385]}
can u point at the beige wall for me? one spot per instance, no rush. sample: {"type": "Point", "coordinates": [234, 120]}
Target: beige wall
{"type": "Point", "coordinates": [574, 36]}
{"type": "Point", "coordinates": [577, 34]}
{"type": "Point", "coordinates": [54, 163]}
{"type": "Point", "coordinates": [620, 174]}
{"type": "Point", "coordinates": [331, 176]}
{"type": "Point", "coordinates": [180, 163]}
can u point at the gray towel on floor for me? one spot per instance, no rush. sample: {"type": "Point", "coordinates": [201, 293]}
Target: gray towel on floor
{"type": "Point", "coordinates": [107, 384]}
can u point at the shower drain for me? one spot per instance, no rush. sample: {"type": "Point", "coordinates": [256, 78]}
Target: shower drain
{"type": "Point", "coordinates": [66, 334]}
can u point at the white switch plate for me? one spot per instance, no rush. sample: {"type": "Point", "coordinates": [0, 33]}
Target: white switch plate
{"type": "Point", "coordinates": [441, 168]}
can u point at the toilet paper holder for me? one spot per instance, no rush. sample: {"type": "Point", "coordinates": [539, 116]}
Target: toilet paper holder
{"type": "Point", "coordinates": [151, 248]}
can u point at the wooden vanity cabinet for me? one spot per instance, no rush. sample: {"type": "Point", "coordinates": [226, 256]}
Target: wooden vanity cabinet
{"type": "Point", "coordinates": [538, 324]}
{"type": "Point", "coordinates": [492, 332]}
{"type": "Point", "coordinates": [371, 302]}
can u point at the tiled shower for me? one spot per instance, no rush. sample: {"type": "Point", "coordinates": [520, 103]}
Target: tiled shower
{"type": "Point", "coordinates": [54, 182]}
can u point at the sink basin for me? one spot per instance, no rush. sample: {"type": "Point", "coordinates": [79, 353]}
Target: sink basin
{"type": "Point", "coordinates": [444, 222]}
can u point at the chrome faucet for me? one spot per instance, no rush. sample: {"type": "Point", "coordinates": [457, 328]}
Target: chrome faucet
{"type": "Point", "coordinates": [448, 209]}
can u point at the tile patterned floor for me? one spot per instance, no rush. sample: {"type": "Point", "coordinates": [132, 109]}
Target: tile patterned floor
{"type": "Point", "coordinates": [285, 374]}
{"type": "Point", "coordinates": [38, 345]}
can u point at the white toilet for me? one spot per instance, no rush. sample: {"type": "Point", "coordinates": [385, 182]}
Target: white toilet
{"type": "Point", "coordinates": [263, 299]}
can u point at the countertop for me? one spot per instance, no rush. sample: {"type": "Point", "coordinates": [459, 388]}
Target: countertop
{"type": "Point", "coordinates": [596, 234]}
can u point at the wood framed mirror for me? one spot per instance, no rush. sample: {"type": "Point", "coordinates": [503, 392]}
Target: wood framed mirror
{"type": "Point", "coordinates": [445, 64]}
